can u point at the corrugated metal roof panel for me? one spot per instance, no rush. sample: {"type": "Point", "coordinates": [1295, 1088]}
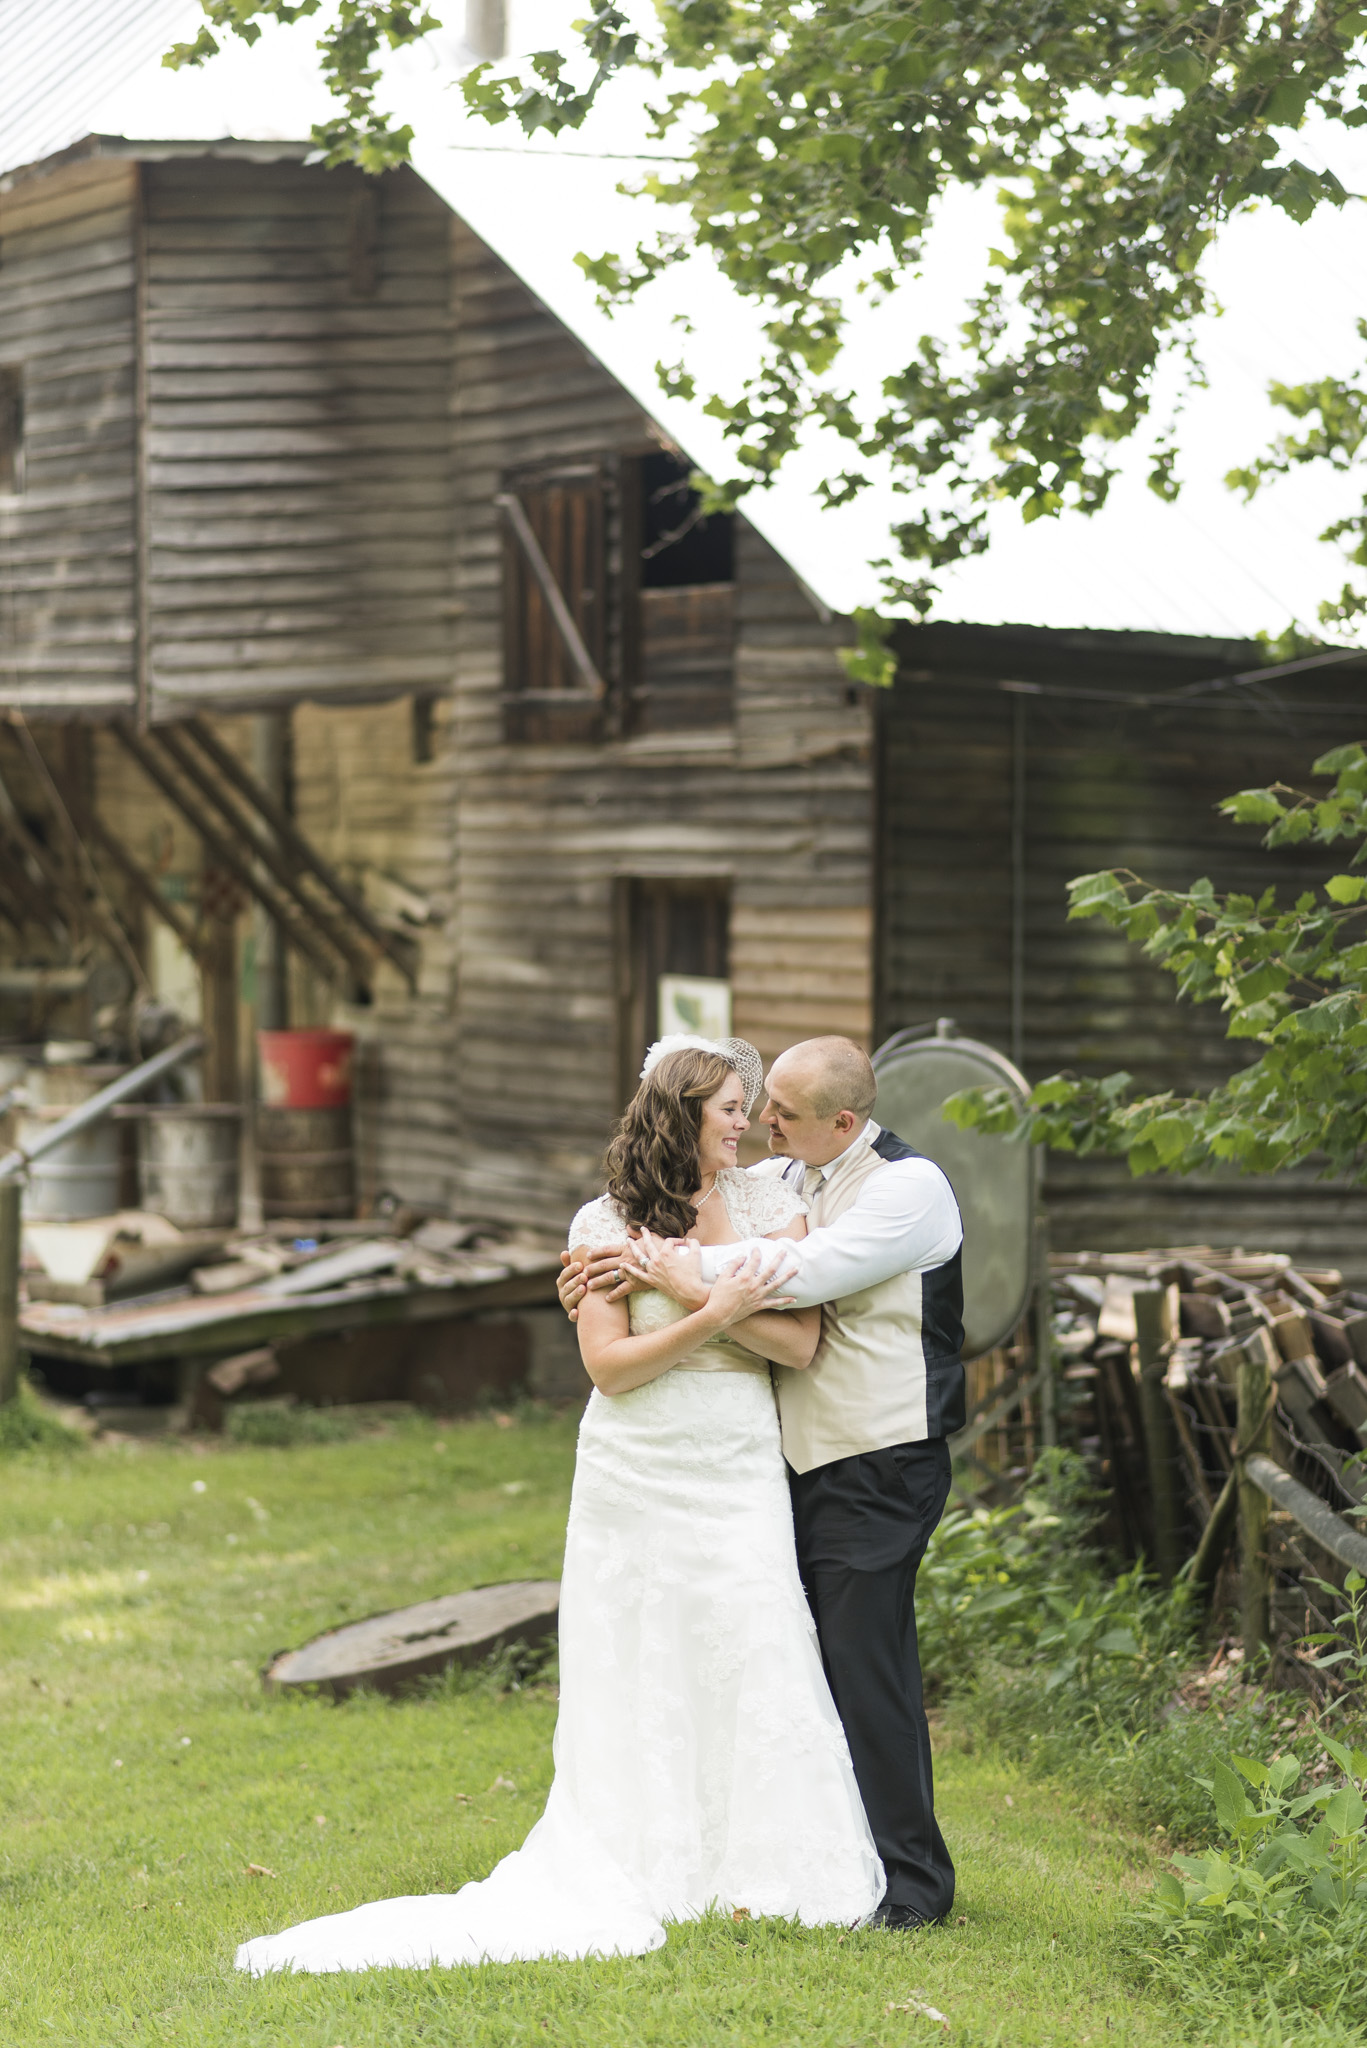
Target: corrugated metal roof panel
{"type": "Point", "coordinates": [63, 57]}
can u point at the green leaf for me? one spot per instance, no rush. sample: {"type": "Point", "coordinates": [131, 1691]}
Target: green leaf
{"type": "Point", "coordinates": [1346, 1811]}
{"type": "Point", "coordinates": [1253, 807]}
{"type": "Point", "coordinates": [1090, 895]}
{"type": "Point", "coordinates": [1282, 1773]}
{"type": "Point", "coordinates": [1231, 1806]}
{"type": "Point", "coordinates": [1346, 888]}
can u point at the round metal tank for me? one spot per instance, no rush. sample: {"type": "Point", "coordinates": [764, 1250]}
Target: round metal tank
{"type": "Point", "coordinates": [188, 1162]}
{"type": "Point", "coordinates": [306, 1161]}
{"type": "Point", "coordinates": [995, 1182]}
{"type": "Point", "coordinates": [80, 1178]}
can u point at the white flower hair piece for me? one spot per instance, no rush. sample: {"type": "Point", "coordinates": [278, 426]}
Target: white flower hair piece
{"type": "Point", "coordinates": [738, 1052]}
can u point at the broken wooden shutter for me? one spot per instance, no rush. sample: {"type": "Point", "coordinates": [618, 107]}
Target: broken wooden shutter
{"type": "Point", "coordinates": [555, 605]}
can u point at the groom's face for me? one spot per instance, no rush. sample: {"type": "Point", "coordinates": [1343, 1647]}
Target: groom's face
{"type": "Point", "coordinates": [795, 1129]}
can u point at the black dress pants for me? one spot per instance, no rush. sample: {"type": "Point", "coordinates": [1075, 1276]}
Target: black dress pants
{"type": "Point", "coordinates": [862, 1528]}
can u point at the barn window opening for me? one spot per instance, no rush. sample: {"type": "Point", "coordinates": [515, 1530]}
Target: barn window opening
{"type": "Point", "coordinates": [678, 601]}
{"type": "Point", "coordinates": [11, 431]}
{"type": "Point", "coordinates": [680, 544]}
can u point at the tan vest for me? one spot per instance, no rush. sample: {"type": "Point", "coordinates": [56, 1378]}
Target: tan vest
{"type": "Point", "coordinates": [866, 1387]}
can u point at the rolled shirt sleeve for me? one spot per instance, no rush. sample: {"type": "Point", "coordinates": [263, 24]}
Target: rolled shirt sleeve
{"type": "Point", "coordinates": [903, 1219]}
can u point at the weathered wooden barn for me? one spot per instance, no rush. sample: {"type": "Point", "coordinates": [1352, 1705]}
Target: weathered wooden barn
{"type": "Point", "coordinates": [351, 611]}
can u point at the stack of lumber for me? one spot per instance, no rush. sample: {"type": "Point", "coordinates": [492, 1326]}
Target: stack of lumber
{"type": "Point", "coordinates": [1218, 1308]}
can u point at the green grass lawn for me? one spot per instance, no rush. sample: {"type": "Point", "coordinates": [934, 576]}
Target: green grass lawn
{"type": "Point", "coordinates": [141, 1589]}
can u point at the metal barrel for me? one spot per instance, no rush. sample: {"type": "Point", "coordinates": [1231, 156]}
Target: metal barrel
{"type": "Point", "coordinates": [87, 1113]}
{"type": "Point", "coordinates": [189, 1162]}
{"type": "Point", "coordinates": [306, 1161]}
{"type": "Point", "coordinates": [78, 1177]}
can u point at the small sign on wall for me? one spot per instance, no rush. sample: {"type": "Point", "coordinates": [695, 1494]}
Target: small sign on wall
{"type": "Point", "coordinates": [694, 1003]}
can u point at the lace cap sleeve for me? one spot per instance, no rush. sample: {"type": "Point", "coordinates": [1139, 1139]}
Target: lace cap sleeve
{"type": "Point", "coordinates": [597, 1223]}
{"type": "Point", "coordinates": [759, 1202]}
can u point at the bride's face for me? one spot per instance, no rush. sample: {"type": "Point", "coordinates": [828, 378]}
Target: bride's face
{"type": "Point", "coordinates": [723, 1123]}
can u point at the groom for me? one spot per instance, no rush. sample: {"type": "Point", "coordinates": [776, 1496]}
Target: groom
{"type": "Point", "coordinates": [864, 1427]}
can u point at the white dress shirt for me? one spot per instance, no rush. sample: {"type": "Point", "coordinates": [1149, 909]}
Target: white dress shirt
{"type": "Point", "coordinates": [903, 1219]}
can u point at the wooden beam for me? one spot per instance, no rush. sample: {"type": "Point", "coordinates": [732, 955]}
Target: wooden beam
{"type": "Point", "coordinates": [303, 849]}
{"type": "Point", "coordinates": [1319, 1522]}
{"type": "Point", "coordinates": [594, 686]}
{"type": "Point", "coordinates": [144, 888]}
{"type": "Point", "coordinates": [242, 822]}
{"type": "Point", "coordinates": [10, 1342]}
{"type": "Point", "coordinates": [102, 910]}
{"type": "Point", "coordinates": [224, 852]}
{"type": "Point", "coordinates": [1255, 1434]}
{"type": "Point", "coordinates": [1158, 1447]}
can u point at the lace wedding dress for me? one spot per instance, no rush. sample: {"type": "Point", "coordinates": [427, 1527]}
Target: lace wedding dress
{"type": "Point", "coordinates": [699, 1760]}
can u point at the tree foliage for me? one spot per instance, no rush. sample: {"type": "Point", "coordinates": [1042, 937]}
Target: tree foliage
{"type": "Point", "coordinates": [1119, 134]}
{"type": "Point", "coordinates": [351, 48]}
{"type": "Point", "coordinates": [1291, 979]}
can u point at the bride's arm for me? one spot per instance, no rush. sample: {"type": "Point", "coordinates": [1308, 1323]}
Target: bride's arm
{"type": "Point", "coordinates": [616, 1361]}
{"type": "Point", "coordinates": [784, 1337]}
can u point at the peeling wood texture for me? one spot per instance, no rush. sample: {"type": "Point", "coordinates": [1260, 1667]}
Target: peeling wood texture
{"type": "Point", "coordinates": [1105, 784]}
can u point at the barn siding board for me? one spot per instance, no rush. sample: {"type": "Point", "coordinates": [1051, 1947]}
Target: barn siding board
{"type": "Point", "coordinates": [66, 319]}
{"type": "Point", "coordinates": [1106, 784]}
{"type": "Point", "coordinates": [239, 253]}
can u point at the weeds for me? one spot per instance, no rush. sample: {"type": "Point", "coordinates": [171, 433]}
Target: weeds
{"type": "Point", "coordinates": [1276, 1909]}
{"type": "Point", "coordinates": [277, 1424]}
{"type": "Point", "coordinates": [26, 1425]}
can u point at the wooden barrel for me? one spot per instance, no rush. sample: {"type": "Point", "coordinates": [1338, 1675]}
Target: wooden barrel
{"type": "Point", "coordinates": [307, 1162]}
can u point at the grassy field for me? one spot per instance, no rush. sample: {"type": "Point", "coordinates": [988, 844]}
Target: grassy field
{"type": "Point", "coordinates": [143, 1772]}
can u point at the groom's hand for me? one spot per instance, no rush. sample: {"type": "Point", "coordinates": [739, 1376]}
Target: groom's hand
{"type": "Point", "coordinates": [602, 1273]}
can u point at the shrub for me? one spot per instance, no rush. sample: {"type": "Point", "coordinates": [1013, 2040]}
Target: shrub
{"type": "Point", "coordinates": [1276, 1908]}
{"type": "Point", "coordinates": [26, 1425]}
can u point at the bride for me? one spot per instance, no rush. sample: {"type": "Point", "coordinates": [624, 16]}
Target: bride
{"type": "Point", "coordinates": [699, 1761]}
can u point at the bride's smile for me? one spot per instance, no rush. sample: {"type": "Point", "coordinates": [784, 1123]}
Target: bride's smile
{"type": "Point", "coordinates": [724, 1124]}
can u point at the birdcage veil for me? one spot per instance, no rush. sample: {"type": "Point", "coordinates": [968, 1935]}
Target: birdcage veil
{"type": "Point", "coordinates": [737, 1052]}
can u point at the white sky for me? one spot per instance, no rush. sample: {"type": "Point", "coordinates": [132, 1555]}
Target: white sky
{"type": "Point", "coordinates": [1208, 565]}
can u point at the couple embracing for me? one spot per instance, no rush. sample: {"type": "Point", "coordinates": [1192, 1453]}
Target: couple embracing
{"type": "Point", "coordinates": [741, 1723]}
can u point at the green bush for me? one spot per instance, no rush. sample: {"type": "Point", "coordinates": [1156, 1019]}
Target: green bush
{"type": "Point", "coordinates": [1275, 1910]}
{"type": "Point", "coordinates": [1071, 1669]}
{"type": "Point", "coordinates": [26, 1425]}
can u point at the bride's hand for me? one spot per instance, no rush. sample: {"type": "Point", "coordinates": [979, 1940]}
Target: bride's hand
{"type": "Point", "coordinates": [671, 1265]}
{"type": "Point", "coordinates": [746, 1286]}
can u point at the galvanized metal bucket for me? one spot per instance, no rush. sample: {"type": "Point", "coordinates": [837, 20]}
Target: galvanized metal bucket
{"type": "Point", "coordinates": [188, 1162]}
{"type": "Point", "coordinates": [307, 1162]}
{"type": "Point", "coordinates": [80, 1178]}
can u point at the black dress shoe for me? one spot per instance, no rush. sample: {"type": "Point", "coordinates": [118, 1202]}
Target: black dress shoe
{"type": "Point", "coordinates": [903, 1919]}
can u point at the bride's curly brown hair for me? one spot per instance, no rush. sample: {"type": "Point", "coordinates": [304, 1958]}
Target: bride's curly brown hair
{"type": "Point", "coordinates": [652, 1162]}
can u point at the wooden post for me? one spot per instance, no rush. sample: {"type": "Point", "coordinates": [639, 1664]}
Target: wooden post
{"type": "Point", "coordinates": [218, 964]}
{"type": "Point", "coordinates": [1159, 1449]}
{"type": "Point", "coordinates": [9, 1289]}
{"type": "Point", "coordinates": [1045, 1361]}
{"type": "Point", "coordinates": [1254, 1434]}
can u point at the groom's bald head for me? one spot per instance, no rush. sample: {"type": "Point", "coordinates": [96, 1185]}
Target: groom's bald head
{"type": "Point", "coordinates": [820, 1095]}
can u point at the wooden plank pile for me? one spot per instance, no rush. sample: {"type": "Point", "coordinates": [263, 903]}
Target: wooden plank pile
{"type": "Point", "coordinates": [1188, 1320]}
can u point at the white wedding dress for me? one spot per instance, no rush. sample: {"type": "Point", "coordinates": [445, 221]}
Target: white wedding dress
{"type": "Point", "coordinates": [699, 1760]}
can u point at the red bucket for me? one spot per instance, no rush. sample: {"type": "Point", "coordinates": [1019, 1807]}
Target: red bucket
{"type": "Point", "coordinates": [305, 1069]}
